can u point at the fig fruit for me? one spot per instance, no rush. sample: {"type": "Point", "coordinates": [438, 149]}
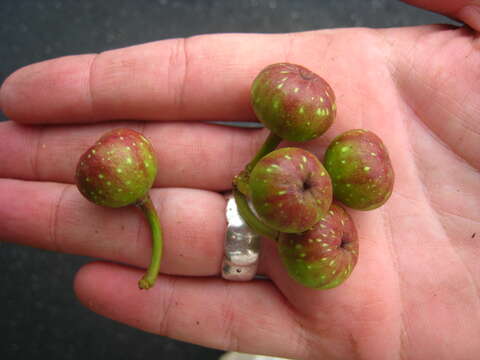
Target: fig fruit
{"type": "Point", "coordinates": [290, 190]}
{"type": "Point", "coordinates": [119, 170]}
{"type": "Point", "coordinates": [360, 169]}
{"type": "Point", "coordinates": [293, 102]}
{"type": "Point", "coordinates": [324, 256]}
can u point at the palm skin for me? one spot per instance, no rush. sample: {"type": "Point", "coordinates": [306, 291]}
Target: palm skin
{"type": "Point", "coordinates": [415, 291]}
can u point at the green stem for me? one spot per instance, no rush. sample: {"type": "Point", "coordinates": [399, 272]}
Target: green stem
{"type": "Point", "coordinates": [270, 143]}
{"type": "Point", "coordinates": [242, 179]}
{"type": "Point", "coordinates": [251, 219]}
{"type": "Point", "coordinates": [148, 280]}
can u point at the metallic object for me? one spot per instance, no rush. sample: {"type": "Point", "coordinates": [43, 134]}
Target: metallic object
{"type": "Point", "coordinates": [241, 247]}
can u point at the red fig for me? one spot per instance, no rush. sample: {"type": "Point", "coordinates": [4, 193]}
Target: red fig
{"type": "Point", "coordinates": [293, 102]}
{"type": "Point", "coordinates": [360, 168]}
{"type": "Point", "coordinates": [324, 256]}
{"type": "Point", "coordinates": [290, 190]}
{"type": "Point", "coordinates": [119, 170]}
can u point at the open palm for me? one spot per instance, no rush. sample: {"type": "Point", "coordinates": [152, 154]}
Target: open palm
{"type": "Point", "coordinates": [415, 292]}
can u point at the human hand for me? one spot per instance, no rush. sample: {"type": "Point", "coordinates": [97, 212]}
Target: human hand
{"type": "Point", "coordinates": [414, 291]}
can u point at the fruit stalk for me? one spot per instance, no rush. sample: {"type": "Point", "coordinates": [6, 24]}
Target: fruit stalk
{"type": "Point", "coordinates": [270, 143]}
{"type": "Point", "coordinates": [251, 219]}
{"type": "Point", "coordinates": [240, 181]}
{"type": "Point", "coordinates": [147, 207]}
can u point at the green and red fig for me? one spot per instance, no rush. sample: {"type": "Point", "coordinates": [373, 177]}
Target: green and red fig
{"type": "Point", "coordinates": [119, 170]}
{"type": "Point", "coordinates": [324, 256]}
{"type": "Point", "coordinates": [360, 168]}
{"type": "Point", "coordinates": [293, 102]}
{"type": "Point", "coordinates": [290, 190]}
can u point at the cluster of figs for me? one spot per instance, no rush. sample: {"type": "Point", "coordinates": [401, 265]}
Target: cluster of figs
{"type": "Point", "coordinates": [286, 194]}
{"type": "Point", "coordinates": [290, 196]}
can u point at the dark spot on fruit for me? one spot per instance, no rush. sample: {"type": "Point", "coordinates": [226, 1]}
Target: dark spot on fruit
{"type": "Point", "coordinates": [305, 74]}
{"type": "Point", "coordinates": [239, 271]}
{"type": "Point", "coordinates": [307, 185]}
{"type": "Point", "coordinates": [473, 235]}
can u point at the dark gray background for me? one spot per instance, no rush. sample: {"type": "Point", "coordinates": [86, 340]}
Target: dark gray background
{"type": "Point", "coordinates": [39, 315]}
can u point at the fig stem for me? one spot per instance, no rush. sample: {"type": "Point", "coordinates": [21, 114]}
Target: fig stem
{"type": "Point", "coordinates": [251, 219]}
{"type": "Point", "coordinates": [148, 280]}
{"type": "Point", "coordinates": [270, 143]}
{"type": "Point", "coordinates": [241, 180]}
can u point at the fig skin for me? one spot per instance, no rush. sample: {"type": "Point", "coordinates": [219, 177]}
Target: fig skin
{"type": "Point", "coordinates": [290, 190]}
{"type": "Point", "coordinates": [360, 168]}
{"type": "Point", "coordinates": [118, 170]}
{"type": "Point", "coordinates": [293, 102]}
{"type": "Point", "coordinates": [325, 256]}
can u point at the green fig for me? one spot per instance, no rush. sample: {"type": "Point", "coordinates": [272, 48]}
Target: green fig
{"type": "Point", "coordinates": [293, 102]}
{"type": "Point", "coordinates": [290, 190]}
{"type": "Point", "coordinates": [324, 256]}
{"type": "Point", "coordinates": [360, 168]}
{"type": "Point", "coordinates": [119, 170]}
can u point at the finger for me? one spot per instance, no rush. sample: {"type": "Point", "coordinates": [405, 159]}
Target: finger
{"type": "Point", "coordinates": [200, 78]}
{"type": "Point", "coordinates": [467, 11]}
{"type": "Point", "coordinates": [56, 217]}
{"type": "Point", "coordinates": [249, 317]}
{"type": "Point", "coordinates": [194, 155]}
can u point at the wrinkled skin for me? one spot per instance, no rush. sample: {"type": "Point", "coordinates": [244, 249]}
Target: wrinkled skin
{"type": "Point", "coordinates": [293, 102]}
{"type": "Point", "coordinates": [360, 168]}
{"type": "Point", "coordinates": [325, 256]}
{"type": "Point", "coordinates": [118, 170]}
{"type": "Point", "coordinates": [290, 190]}
{"type": "Point", "coordinates": [414, 293]}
